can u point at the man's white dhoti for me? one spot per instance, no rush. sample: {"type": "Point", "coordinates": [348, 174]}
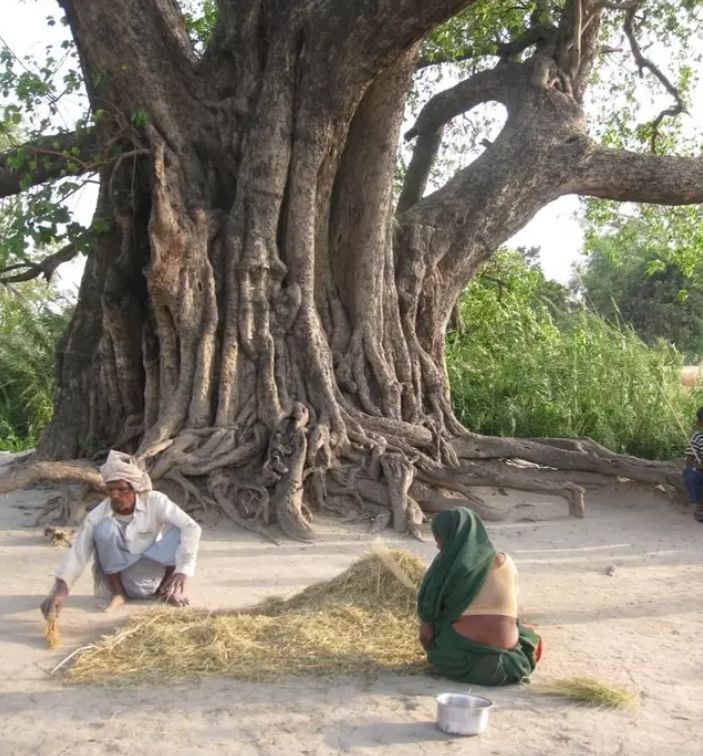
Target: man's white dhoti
{"type": "Point", "coordinates": [141, 574]}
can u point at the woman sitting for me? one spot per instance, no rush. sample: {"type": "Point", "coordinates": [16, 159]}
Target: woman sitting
{"type": "Point", "coordinates": [467, 605]}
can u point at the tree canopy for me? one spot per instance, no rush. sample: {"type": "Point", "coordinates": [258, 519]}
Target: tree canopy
{"type": "Point", "coordinates": [48, 119]}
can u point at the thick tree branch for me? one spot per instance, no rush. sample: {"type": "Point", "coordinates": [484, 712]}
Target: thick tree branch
{"type": "Point", "coordinates": [47, 159]}
{"type": "Point", "coordinates": [153, 24]}
{"type": "Point", "coordinates": [423, 158]}
{"type": "Point", "coordinates": [541, 35]}
{"type": "Point", "coordinates": [633, 177]}
{"type": "Point", "coordinates": [377, 33]}
{"type": "Point", "coordinates": [26, 271]}
{"type": "Point", "coordinates": [134, 54]}
{"type": "Point", "coordinates": [429, 126]}
{"type": "Point", "coordinates": [482, 87]}
{"type": "Point", "coordinates": [580, 454]}
{"type": "Point", "coordinates": [396, 19]}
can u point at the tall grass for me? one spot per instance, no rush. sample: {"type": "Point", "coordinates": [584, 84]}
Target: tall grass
{"type": "Point", "coordinates": [32, 320]}
{"type": "Point", "coordinates": [526, 368]}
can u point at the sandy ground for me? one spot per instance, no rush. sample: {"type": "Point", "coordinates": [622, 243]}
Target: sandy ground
{"type": "Point", "coordinates": [640, 627]}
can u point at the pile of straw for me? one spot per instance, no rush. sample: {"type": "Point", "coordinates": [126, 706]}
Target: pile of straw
{"type": "Point", "coordinates": [590, 691]}
{"type": "Point", "coordinates": [361, 622]}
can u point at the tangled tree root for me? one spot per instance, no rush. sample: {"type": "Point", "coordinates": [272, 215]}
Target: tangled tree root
{"type": "Point", "coordinates": [258, 481]}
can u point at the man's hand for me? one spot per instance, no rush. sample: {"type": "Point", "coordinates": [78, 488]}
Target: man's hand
{"type": "Point", "coordinates": [426, 634]}
{"type": "Point", "coordinates": [53, 603]}
{"type": "Point", "coordinates": [173, 588]}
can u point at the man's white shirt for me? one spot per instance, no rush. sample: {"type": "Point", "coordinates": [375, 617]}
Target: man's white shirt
{"type": "Point", "coordinates": [153, 511]}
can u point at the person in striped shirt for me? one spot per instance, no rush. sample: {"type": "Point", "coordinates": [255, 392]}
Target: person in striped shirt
{"type": "Point", "coordinates": [693, 470]}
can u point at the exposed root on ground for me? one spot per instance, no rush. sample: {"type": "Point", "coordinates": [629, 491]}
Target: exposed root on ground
{"type": "Point", "coordinates": [29, 473]}
{"type": "Point", "coordinates": [389, 473]}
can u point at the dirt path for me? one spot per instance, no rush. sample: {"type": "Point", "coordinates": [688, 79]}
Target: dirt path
{"type": "Point", "coordinates": [640, 627]}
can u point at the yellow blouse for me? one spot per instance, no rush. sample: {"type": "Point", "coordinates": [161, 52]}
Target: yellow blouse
{"type": "Point", "coordinates": [499, 593]}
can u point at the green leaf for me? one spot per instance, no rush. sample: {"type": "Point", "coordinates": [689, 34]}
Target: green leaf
{"type": "Point", "coordinates": [141, 118]}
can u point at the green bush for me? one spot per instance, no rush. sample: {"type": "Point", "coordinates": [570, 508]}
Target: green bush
{"type": "Point", "coordinates": [530, 364]}
{"type": "Point", "coordinates": [32, 319]}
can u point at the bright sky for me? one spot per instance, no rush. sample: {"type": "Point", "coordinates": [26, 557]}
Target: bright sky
{"type": "Point", "coordinates": [555, 229]}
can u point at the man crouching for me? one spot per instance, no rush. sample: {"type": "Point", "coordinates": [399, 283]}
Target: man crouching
{"type": "Point", "coordinates": [144, 545]}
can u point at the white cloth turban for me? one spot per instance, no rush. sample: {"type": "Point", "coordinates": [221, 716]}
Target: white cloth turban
{"type": "Point", "coordinates": [121, 466]}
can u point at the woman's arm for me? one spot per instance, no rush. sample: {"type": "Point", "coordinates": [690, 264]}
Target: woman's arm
{"type": "Point", "coordinates": [426, 634]}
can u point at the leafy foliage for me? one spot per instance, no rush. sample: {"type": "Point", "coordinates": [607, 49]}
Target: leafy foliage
{"type": "Point", "coordinates": [200, 17]}
{"type": "Point", "coordinates": [32, 319]}
{"type": "Point", "coordinates": [625, 100]}
{"type": "Point", "coordinates": [41, 96]}
{"type": "Point", "coordinates": [635, 275]}
{"type": "Point", "coordinates": [476, 32]}
{"type": "Point", "coordinates": [530, 364]}
{"type": "Point", "coordinates": [672, 235]}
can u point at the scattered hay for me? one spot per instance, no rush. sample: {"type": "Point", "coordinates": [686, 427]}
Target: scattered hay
{"type": "Point", "coordinates": [51, 633]}
{"type": "Point", "coordinates": [58, 536]}
{"type": "Point", "coordinates": [361, 622]}
{"type": "Point", "coordinates": [591, 691]}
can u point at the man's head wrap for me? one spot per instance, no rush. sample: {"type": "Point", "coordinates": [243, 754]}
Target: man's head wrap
{"type": "Point", "coordinates": [121, 466]}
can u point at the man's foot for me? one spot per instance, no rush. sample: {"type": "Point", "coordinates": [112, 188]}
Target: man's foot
{"type": "Point", "coordinates": [698, 514]}
{"type": "Point", "coordinates": [114, 603]}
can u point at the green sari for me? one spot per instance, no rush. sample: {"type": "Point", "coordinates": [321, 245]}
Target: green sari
{"type": "Point", "coordinates": [450, 585]}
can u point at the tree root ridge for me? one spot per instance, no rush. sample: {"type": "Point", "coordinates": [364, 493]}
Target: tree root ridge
{"type": "Point", "coordinates": [387, 472]}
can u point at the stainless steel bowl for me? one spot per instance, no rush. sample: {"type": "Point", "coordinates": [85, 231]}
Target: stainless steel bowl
{"type": "Point", "coordinates": [460, 714]}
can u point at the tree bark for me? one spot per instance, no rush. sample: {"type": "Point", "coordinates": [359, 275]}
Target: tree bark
{"type": "Point", "coordinates": [256, 324]}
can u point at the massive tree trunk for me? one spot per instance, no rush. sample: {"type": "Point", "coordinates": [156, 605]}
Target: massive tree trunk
{"type": "Point", "coordinates": [258, 324]}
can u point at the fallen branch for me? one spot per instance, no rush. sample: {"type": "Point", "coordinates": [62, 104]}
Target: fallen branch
{"type": "Point", "coordinates": [37, 472]}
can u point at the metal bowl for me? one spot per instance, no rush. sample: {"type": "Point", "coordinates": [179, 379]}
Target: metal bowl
{"type": "Point", "coordinates": [460, 714]}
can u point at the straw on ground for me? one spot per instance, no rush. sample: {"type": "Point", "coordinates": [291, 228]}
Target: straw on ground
{"type": "Point", "coordinates": [361, 622]}
{"type": "Point", "coordinates": [591, 691]}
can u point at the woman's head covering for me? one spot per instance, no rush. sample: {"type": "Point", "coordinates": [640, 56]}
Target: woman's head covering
{"type": "Point", "coordinates": [121, 466]}
{"type": "Point", "coordinates": [459, 570]}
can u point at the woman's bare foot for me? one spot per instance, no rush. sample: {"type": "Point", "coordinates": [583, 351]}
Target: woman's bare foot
{"type": "Point", "coordinates": [114, 603]}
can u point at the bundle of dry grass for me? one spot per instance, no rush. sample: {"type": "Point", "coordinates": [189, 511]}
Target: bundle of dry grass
{"type": "Point", "coordinates": [589, 690]}
{"type": "Point", "coordinates": [361, 622]}
{"type": "Point", "coordinates": [51, 633]}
